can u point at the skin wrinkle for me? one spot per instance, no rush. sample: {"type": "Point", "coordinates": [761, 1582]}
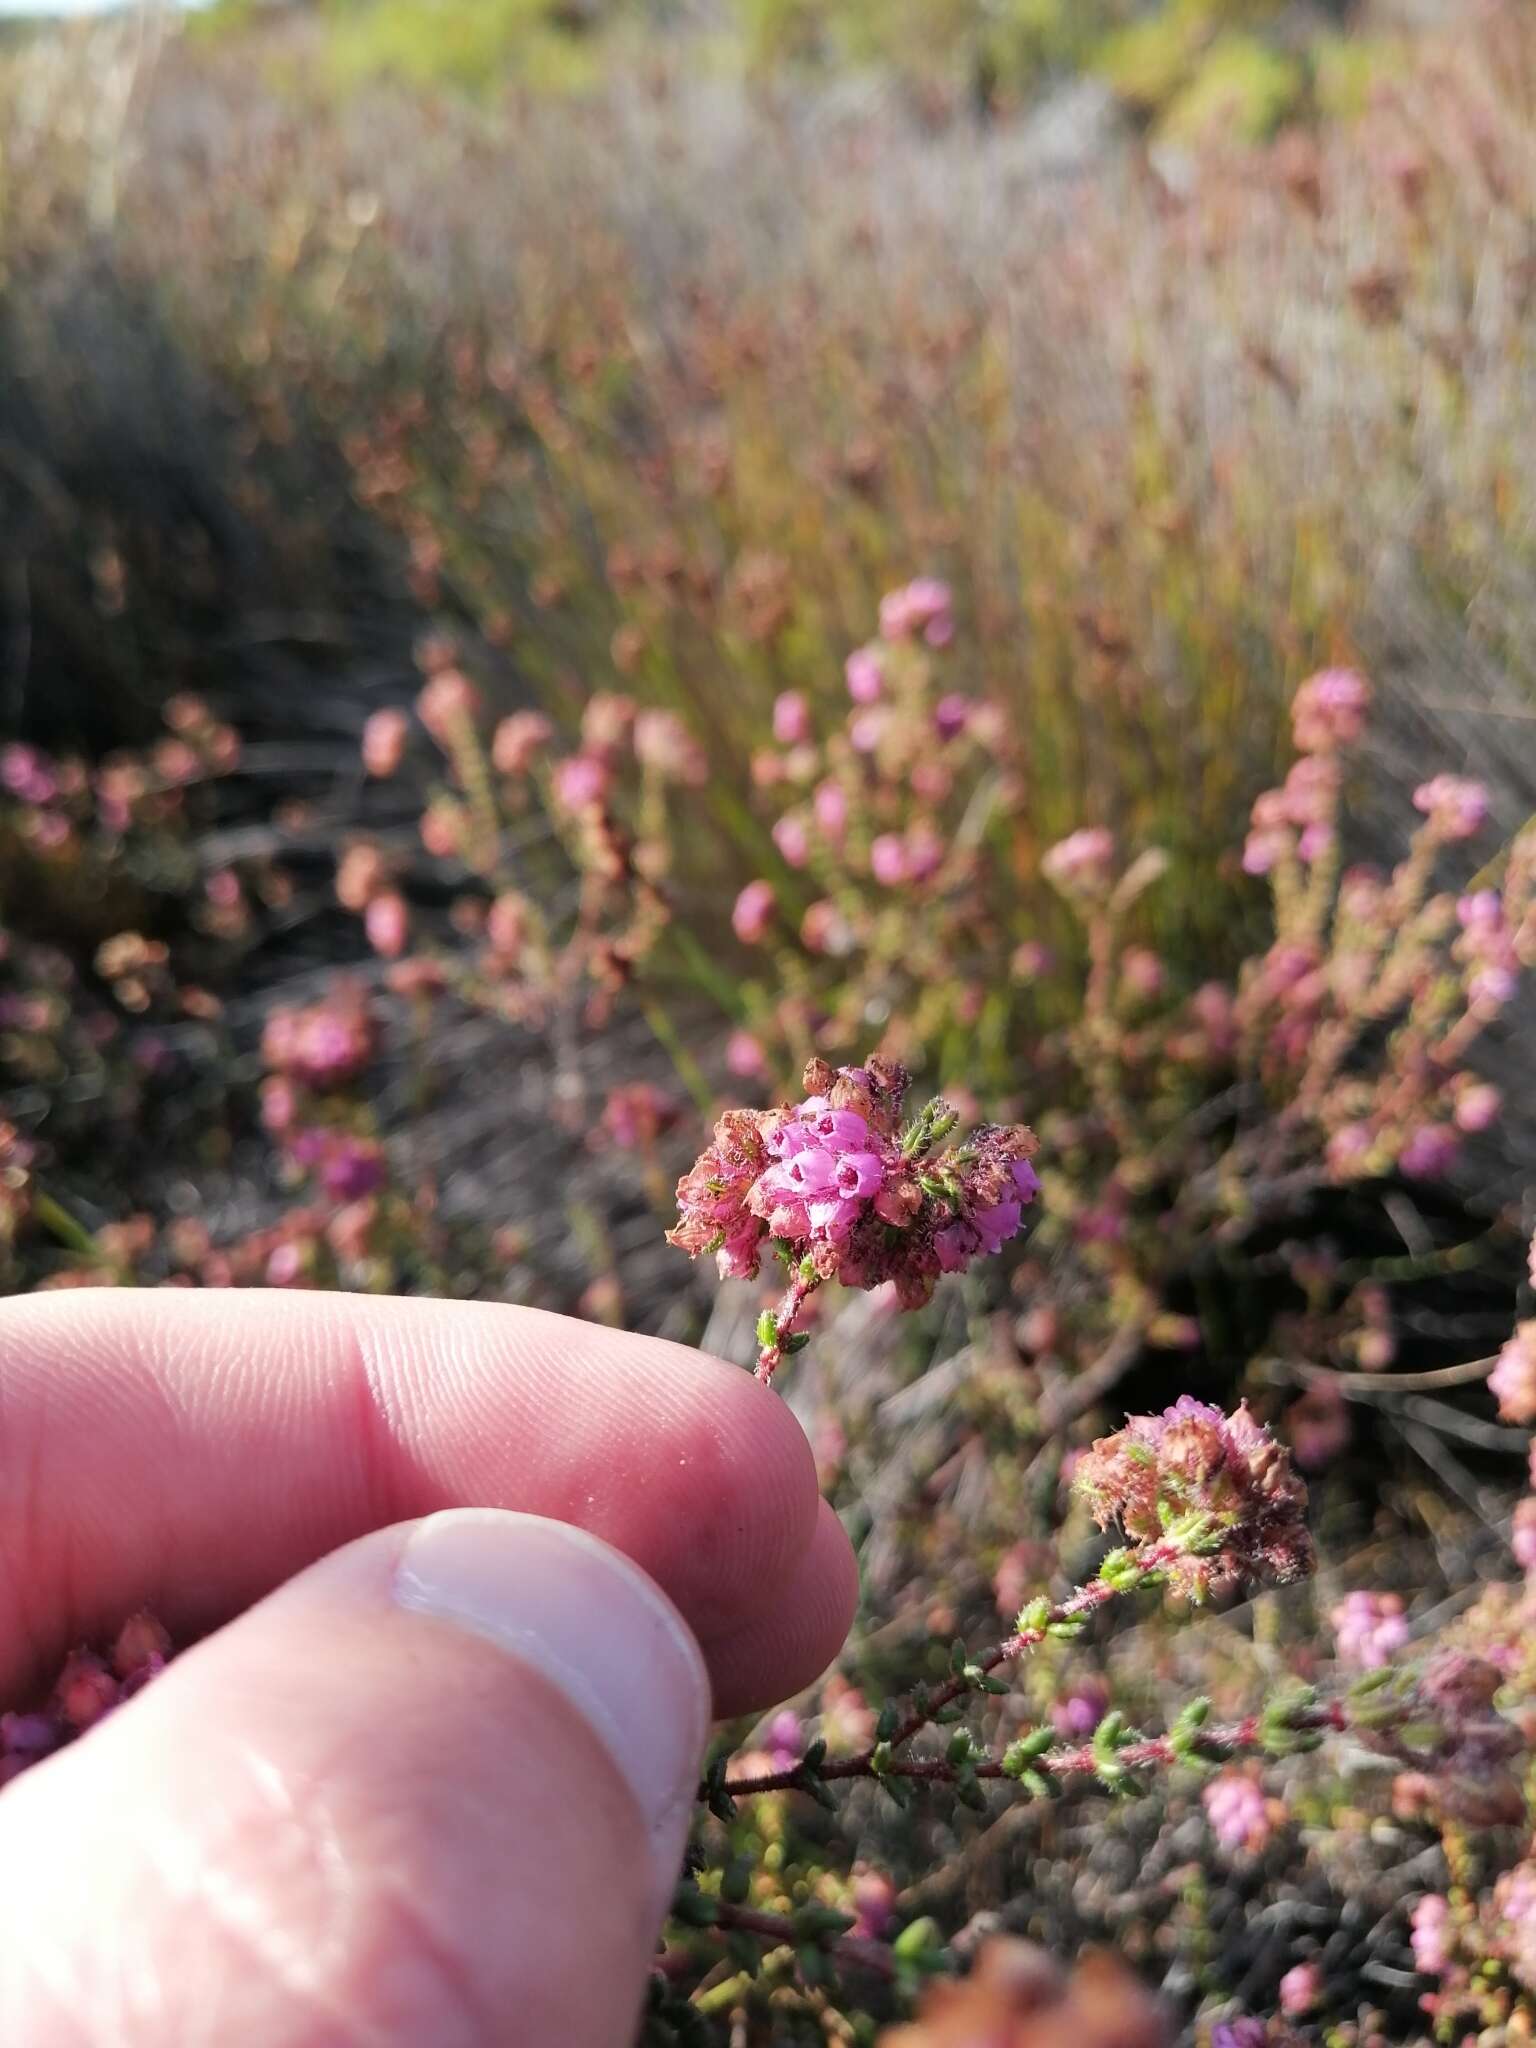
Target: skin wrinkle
{"type": "Point", "coordinates": [296, 1422]}
{"type": "Point", "coordinates": [318, 1959]}
{"type": "Point", "coordinates": [608, 1486]}
{"type": "Point", "coordinates": [376, 1441]}
{"type": "Point", "coordinates": [821, 1594]}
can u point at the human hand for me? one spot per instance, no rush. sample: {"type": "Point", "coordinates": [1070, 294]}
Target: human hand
{"type": "Point", "coordinates": [433, 1788]}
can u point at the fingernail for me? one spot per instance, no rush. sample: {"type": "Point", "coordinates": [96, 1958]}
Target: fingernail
{"type": "Point", "coordinates": [591, 1622]}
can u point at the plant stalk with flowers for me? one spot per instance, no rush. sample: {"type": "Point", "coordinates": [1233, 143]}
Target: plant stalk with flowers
{"type": "Point", "coordinates": [841, 1188]}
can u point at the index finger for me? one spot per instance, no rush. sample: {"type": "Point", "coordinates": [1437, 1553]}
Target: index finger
{"type": "Point", "coordinates": [189, 1450]}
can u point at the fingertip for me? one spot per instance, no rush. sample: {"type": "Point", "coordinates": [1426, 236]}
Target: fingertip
{"type": "Point", "coordinates": [799, 1631]}
{"type": "Point", "coordinates": [258, 1430]}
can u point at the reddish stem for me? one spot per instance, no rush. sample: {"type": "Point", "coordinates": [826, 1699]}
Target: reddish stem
{"type": "Point", "coordinates": [796, 1295]}
{"type": "Point", "coordinates": [1151, 1557]}
{"type": "Point", "coordinates": [778, 1928]}
{"type": "Point", "coordinates": [1233, 1738]}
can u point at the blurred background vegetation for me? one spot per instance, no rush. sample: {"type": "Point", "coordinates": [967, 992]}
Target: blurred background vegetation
{"type": "Point", "coordinates": [1178, 65]}
{"type": "Point", "coordinates": [639, 346]}
{"type": "Point", "coordinates": [643, 345]}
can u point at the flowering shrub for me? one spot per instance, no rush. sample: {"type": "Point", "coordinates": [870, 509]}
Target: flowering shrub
{"type": "Point", "coordinates": [1336, 1063]}
{"type": "Point", "coordinates": [683, 828]}
{"type": "Point", "coordinates": [845, 1191]}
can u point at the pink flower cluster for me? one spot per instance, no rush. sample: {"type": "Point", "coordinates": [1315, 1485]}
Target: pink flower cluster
{"type": "Point", "coordinates": [1513, 1379]}
{"type": "Point", "coordinates": [1455, 805]}
{"type": "Point", "coordinates": [1218, 1485]}
{"type": "Point", "coordinates": [1488, 948]}
{"type": "Point", "coordinates": [1514, 1905]}
{"type": "Point", "coordinates": [88, 1687]}
{"type": "Point", "coordinates": [322, 1046]}
{"type": "Point", "coordinates": [1369, 1629]}
{"type": "Point", "coordinates": [347, 1167]}
{"type": "Point", "coordinates": [1301, 1988]}
{"type": "Point", "coordinates": [1238, 1811]}
{"type": "Point", "coordinates": [1082, 863]}
{"type": "Point", "coordinates": [924, 607]}
{"type": "Point", "coordinates": [1295, 818]}
{"type": "Point", "coordinates": [1432, 1934]}
{"type": "Point", "coordinates": [1329, 710]}
{"type": "Point", "coordinates": [837, 1180]}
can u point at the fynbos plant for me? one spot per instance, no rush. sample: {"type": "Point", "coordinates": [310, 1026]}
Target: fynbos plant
{"type": "Point", "coordinates": [841, 1188]}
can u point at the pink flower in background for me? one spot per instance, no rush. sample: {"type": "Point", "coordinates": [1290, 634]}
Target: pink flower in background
{"type": "Point", "coordinates": [1522, 1539]}
{"type": "Point", "coordinates": [1362, 894]}
{"type": "Point", "coordinates": [888, 861]}
{"type": "Point", "coordinates": [1300, 1990]}
{"type": "Point", "coordinates": [829, 802]}
{"type": "Point", "coordinates": [864, 676]}
{"type": "Point", "coordinates": [866, 730]}
{"type": "Point", "coordinates": [791, 719]}
{"type": "Point", "coordinates": [581, 782]}
{"type": "Point", "coordinates": [925, 852]}
{"type": "Point", "coordinates": [784, 1740]}
{"type": "Point", "coordinates": [951, 715]}
{"type": "Point", "coordinates": [1318, 1425]}
{"type": "Point", "coordinates": [1369, 1629]}
{"type": "Point", "coordinates": [1481, 913]}
{"type": "Point", "coordinates": [1349, 1150]}
{"type": "Point", "coordinates": [1513, 1380]}
{"type": "Point", "coordinates": [924, 607]}
{"type": "Point", "coordinates": [665, 745]}
{"type": "Point", "coordinates": [285, 1266]}
{"type": "Point", "coordinates": [1329, 710]}
{"type": "Point", "coordinates": [441, 827]}
{"type": "Point", "coordinates": [323, 1046]}
{"type": "Point", "coordinates": [1430, 1153]}
{"type": "Point", "coordinates": [28, 774]}
{"type": "Point", "coordinates": [1515, 1903]}
{"type": "Point", "coordinates": [1030, 960]}
{"type": "Point", "coordinates": [1487, 948]}
{"type": "Point", "coordinates": [793, 840]}
{"type": "Point", "coordinates": [384, 737]}
{"type": "Point", "coordinates": [1083, 861]}
{"type": "Point", "coordinates": [388, 924]}
{"type": "Point", "coordinates": [1238, 1811]}
{"type": "Point", "coordinates": [753, 912]}
{"type": "Point", "coordinates": [518, 742]}
{"type": "Point", "coordinates": [606, 723]}
{"type": "Point", "coordinates": [1477, 1106]}
{"type": "Point", "coordinates": [1432, 1934]}
{"type": "Point", "coordinates": [447, 705]}
{"type": "Point", "coordinates": [279, 1104]}
{"type": "Point", "coordinates": [1456, 806]}
{"type": "Point", "coordinates": [1076, 1714]}
{"type": "Point", "coordinates": [636, 1115]}
{"type": "Point", "coordinates": [360, 874]}
{"type": "Point", "coordinates": [1141, 972]}
{"type": "Point", "coordinates": [874, 1904]}
{"type": "Point", "coordinates": [351, 1169]}
{"type": "Point", "coordinates": [744, 1056]}
{"type": "Point", "coordinates": [1309, 793]}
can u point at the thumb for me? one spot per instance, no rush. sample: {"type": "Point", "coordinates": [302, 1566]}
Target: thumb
{"type": "Point", "coordinates": [435, 1789]}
